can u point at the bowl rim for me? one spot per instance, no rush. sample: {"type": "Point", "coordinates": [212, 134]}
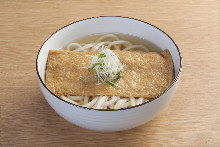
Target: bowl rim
{"type": "Point", "coordinates": [145, 103]}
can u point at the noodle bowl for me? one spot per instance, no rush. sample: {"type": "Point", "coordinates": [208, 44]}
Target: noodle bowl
{"type": "Point", "coordinates": [107, 119]}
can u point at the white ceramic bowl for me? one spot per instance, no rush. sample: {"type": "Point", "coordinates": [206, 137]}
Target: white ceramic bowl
{"type": "Point", "coordinates": [108, 120]}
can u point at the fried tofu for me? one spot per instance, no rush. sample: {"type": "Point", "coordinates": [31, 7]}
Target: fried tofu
{"type": "Point", "coordinates": [145, 74]}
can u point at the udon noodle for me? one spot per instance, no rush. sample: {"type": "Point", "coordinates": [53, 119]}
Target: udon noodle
{"type": "Point", "coordinates": [113, 42]}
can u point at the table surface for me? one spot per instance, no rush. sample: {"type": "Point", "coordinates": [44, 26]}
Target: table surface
{"type": "Point", "coordinates": [191, 118]}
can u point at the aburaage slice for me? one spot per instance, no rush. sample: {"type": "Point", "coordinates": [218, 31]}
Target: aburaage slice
{"type": "Point", "coordinates": [146, 74]}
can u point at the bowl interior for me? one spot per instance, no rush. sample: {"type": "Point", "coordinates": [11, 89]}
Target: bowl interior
{"type": "Point", "coordinates": [108, 25]}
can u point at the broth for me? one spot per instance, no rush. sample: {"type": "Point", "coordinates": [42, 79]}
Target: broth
{"type": "Point", "coordinates": [133, 39]}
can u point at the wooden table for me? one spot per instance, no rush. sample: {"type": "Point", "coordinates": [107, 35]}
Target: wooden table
{"type": "Point", "coordinates": [192, 117]}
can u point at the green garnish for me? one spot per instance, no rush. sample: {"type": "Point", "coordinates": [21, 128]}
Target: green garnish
{"type": "Point", "coordinates": [108, 67]}
{"type": "Point", "coordinates": [118, 76]}
{"type": "Point", "coordinates": [94, 65]}
{"type": "Point", "coordinates": [109, 83]}
{"type": "Point", "coordinates": [101, 55]}
{"type": "Point", "coordinates": [100, 63]}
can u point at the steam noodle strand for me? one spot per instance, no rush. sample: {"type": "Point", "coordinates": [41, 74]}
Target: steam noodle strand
{"type": "Point", "coordinates": [73, 46]}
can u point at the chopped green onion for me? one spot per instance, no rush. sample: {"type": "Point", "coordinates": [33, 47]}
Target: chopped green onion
{"type": "Point", "coordinates": [101, 55]}
{"type": "Point", "coordinates": [118, 76]}
{"type": "Point", "coordinates": [108, 67]}
{"type": "Point", "coordinates": [94, 65]}
{"type": "Point", "coordinates": [109, 83]}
